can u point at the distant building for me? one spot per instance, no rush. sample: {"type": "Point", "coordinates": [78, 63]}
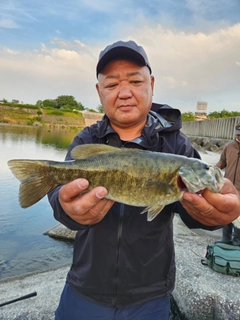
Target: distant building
{"type": "Point", "coordinates": [201, 110]}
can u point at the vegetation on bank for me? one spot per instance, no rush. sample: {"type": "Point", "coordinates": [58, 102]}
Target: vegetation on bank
{"type": "Point", "coordinates": [189, 116]}
{"type": "Point", "coordinates": [65, 110]}
{"type": "Point", "coordinates": [27, 114]}
{"type": "Point", "coordinates": [63, 102]}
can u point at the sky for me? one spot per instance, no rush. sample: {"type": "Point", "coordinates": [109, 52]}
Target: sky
{"type": "Point", "coordinates": [51, 48]}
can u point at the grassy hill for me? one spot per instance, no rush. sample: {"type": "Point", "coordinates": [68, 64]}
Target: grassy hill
{"type": "Point", "coordinates": [30, 115]}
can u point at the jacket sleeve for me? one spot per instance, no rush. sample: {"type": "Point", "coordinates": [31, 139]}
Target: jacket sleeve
{"type": "Point", "coordinates": [222, 161]}
{"type": "Point", "coordinates": [189, 221]}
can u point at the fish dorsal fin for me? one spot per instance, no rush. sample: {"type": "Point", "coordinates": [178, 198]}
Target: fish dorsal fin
{"type": "Point", "coordinates": [85, 151]}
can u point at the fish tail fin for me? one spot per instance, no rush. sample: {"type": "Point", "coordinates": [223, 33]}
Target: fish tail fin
{"type": "Point", "coordinates": [34, 181]}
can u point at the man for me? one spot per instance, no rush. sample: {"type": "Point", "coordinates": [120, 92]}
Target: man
{"type": "Point", "coordinates": [123, 266]}
{"type": "Point", "coordinates": [230, 161]}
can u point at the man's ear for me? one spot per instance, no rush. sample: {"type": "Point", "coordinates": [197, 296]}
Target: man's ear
{"type": "Point", "coordinates": [152, 84]}
{"type": "Point", "coordinates": [97, 87]}
{"type": "Point", "coordinates": [98, 91]}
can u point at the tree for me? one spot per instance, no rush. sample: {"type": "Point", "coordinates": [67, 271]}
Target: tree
{"type": "Point", "coordinates": [100, 108]}
{"type": "Point", "coordinates": [80, 106]}
{"type": "Point", "coordinates": [67, 102]}
{"type": "Point", "coordinates": [188, 116]}
{"type": "Point", "coordinates": [39, 103]}
{"type": "Point", "coordinates": [223, 114]}
{"type": "Point", "coordinates": [48, 103]}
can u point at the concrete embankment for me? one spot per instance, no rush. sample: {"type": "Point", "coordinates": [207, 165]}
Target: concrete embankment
{"type": "Point", "coordinates": [217, 128]}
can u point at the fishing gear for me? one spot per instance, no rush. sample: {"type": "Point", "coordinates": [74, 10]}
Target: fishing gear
{"type": "Point", "coordinates": [30, 295]}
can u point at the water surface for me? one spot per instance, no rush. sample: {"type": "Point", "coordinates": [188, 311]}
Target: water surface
{"type": "Point", "coordinates": [23, 247]}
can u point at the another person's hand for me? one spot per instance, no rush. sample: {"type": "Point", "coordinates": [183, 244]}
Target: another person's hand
{"type": "Point", "coordinates": [213, 209]}
{"type": "Point", "coordinates": [85, 208]}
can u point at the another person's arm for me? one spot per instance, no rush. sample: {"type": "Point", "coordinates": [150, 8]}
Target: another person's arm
{"type": "Point", "coordinates": [221, 164]}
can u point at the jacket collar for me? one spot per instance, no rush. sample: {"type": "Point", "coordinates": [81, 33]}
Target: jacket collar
{"type": "Point", "coordinates": [165, 119]}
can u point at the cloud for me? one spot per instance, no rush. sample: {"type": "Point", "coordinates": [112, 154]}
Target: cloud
{"type": "Point", "coordinates": [188, 67]}
{"type": "Point", "coordinates": [47, 73]}
{"type": "Point", "coordinates": [8, 24]}
{"type": "Point", "coordinates": [204, 63]}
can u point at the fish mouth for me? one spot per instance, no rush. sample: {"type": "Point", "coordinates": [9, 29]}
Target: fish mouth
{"type": "Point", "coordinates": [181, 184]}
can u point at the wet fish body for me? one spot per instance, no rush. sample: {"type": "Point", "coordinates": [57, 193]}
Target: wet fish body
{"type": "Point", "coordinates": [131, 176]}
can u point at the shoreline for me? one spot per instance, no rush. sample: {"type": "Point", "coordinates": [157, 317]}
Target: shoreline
{"type": "Point", "coordinates": [200, 293]}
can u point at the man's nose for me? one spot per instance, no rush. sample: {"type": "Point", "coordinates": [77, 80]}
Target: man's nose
{"type": "Point", "coordinates": [125, 92]}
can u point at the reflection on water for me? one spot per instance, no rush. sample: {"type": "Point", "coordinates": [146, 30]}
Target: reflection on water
{"type": "Point", "coordinates": [23, 247]}
{"type": "Point", "coordinates": [57, 137]}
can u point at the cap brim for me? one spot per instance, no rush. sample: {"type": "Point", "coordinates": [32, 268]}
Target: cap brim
{"type": "Point", "coordinates": [120, 52]}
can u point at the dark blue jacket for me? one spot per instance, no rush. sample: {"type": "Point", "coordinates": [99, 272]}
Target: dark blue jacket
{"type": "Point", "coordinates": [124, 259]}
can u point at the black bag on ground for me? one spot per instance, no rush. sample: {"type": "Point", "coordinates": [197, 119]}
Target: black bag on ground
{"type": "Point", "coordinates": [223, 258]}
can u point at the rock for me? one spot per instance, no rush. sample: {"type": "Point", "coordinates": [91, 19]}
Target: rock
{"type": "Point", "coordinates": [61, 232]}
{"type": "Point", "coordinates": [204, 144]}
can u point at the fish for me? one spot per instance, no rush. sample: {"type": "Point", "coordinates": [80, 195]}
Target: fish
{"type": "Point", "coordinates": [132, 176]}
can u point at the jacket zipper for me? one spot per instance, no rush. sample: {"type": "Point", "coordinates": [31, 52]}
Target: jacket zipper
{"type": "Point", "coordinates": [119, 237]}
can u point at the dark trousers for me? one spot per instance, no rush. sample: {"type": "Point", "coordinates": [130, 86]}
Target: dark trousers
{"type": "Point", "coordinates": [74, 307]}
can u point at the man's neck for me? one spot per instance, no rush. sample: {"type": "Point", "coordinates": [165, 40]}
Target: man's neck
{"type": "Point", "coordinates": [130, 133]}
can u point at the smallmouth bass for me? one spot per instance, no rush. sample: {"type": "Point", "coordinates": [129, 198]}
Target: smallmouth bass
{"type": "Point", "coordinates": [131, 176]}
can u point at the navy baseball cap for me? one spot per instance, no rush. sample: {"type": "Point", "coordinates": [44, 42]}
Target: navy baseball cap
{"type": "Point", "coordinates": [121, 48]}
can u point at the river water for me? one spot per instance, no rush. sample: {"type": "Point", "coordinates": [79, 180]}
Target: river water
{"type": "Point", "coordinates": [23, 247]}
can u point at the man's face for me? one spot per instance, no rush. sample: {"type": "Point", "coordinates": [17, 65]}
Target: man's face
{"type": "Point", "coordinates": [125, 90]}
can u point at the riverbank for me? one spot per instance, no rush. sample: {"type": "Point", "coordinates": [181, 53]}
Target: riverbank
{"type": "Point", "coordinates": [200, 293]}
{"type": "Point", "coordinates": [47, 117]}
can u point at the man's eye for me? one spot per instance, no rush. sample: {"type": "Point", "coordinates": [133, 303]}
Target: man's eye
{"type": "Point", "coordinates": [111, 85]}
{"type": "Point", "coordinates": [136, 82]}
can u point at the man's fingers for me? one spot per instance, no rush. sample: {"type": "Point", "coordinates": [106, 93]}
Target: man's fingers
{"type": "Point", "coordinates": [72, 189]}
{"type": "Point", "coordinates": [84, 207]}
{"type": "Point", "coordinates": [97, 213]}
{"type": "Point", "coordinates": [209, 207]}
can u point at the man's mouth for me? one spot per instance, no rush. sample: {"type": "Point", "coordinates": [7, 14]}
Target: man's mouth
{"type": "Point", "coordinates": [125, 107]}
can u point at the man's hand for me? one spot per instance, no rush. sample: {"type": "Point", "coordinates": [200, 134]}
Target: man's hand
{"type": "Point", "coordinates": [213, 209]}
{"type": "Point", "coordinates": [85, 208]}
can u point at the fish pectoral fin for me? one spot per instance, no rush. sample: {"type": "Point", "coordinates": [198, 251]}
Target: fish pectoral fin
{"type": "Point", "coordinates": [85, 151]}
{"type": "Point", "coordinates": [153, 211]}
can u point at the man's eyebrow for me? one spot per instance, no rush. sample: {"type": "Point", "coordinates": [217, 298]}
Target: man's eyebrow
{"type": "Point", "coordinates": [135, 73]}
{"type": "Point", "coordinates": [112, 76]}
{"type": "Point", "coordinates": [130, 74]}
